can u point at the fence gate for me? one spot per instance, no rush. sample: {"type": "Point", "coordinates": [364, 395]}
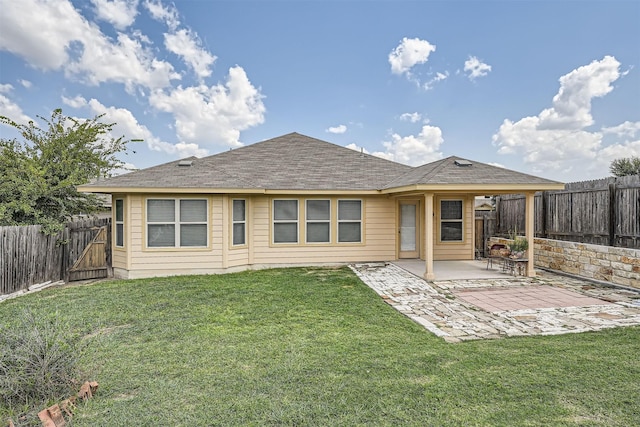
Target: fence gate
{"type": "Point", "coordinates": [92, 264]}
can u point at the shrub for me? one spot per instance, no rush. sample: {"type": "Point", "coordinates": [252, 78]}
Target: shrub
{"type": "Point", "coordinates": [39, 361]}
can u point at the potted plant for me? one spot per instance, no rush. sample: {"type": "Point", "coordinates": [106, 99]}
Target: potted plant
{"type": "Point", "coordinates": [518, 246]}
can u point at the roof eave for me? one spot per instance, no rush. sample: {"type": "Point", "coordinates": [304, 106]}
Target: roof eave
{"type": "Point", "coordinates": [203, 190]}
{"type": "Point", "coordinates": [475, 188]}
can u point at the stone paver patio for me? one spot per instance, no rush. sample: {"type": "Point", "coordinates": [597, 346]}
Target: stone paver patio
{"type": "Point", "coordinates": [459, 310]}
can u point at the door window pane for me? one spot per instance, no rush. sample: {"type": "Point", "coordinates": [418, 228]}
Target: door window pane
{"type": "Point", "coordinates": [407, 227]}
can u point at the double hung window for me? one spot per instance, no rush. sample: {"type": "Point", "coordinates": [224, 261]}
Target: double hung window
{"type": "Point", "coordinates": [451, 221]}
{"type": "Point", "coordinates": [285, 221]}
{"type": "Point", "coordinates": [318, 221]}
{"type": "Point", "coordinates": [177, 223]}
{"type": "Point", "coordinates": [239, 222]}
{"type": "Point", "coordinates": [119, 221]}
{"type": "Point", "coordinates": [349, 221]}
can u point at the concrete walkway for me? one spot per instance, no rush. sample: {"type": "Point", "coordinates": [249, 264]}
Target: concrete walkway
{"type": "Point", "coordinates": [467, 309]}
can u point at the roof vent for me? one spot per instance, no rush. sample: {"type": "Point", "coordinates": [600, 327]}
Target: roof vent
{"type": "Point", "coordinates": [462, 162]}
{"type": "Point", "coordinates": [185, 163]}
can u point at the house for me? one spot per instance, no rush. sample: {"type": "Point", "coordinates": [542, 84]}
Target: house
{"type": "Point", "coordinates": [296, 200]}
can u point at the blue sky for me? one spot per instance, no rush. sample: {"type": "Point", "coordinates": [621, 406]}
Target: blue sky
{"type": "Point", "coordinates": [543, 87]}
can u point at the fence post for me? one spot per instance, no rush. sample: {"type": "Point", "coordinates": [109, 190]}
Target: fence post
{"type": "Point", "coordinates": [612, 214]}
{"type": "Point", "coordinates": [543, 219]}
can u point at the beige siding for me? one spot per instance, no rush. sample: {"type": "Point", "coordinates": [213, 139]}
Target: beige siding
{"type": "Point", "coordinates": [159, 260]}
{"type": "Point", "coordinates": [378, 241]}
{"type": "Point", "coordinates": [455, 250]}
{"type": "Point", "coordinates": [378, 245]}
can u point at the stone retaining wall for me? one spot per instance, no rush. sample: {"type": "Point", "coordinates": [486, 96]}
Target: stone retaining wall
{"type": "Point", "coordinates": [616, 265]}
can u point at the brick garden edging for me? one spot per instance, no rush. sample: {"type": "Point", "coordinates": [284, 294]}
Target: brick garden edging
{"type": "Point", "coordinates": [620, 266]}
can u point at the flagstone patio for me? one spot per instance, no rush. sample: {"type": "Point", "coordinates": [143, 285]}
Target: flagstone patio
{"type": "Point", "coordinates": [502, 306]}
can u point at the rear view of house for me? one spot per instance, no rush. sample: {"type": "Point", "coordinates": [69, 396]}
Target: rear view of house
{"type": "Point", "coordinates": [295, 200]}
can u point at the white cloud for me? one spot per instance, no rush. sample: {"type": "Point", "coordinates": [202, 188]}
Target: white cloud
{"type": "Point", "coordinates": [572, 104]}
{"type": "Point", "coordinates": [337, 129]}
{"type": "Point", "coordinates": [25, 83]}
{"type": "Point", "coordinates": [627, 128]}
{"type": "Point", "coordinates": [414, 150]}
{"type": "Point", "coordinates": [556, 140]}
{"type": "Point", "coordinates": [119, 13]}
{"type": "Point", "coordinates": [476, 68]}
{"type": "Point", "coordinates": [75, 102]}
{"type": "Point", "coordinates": [127, 125]}
{"type": "Point", "coordinates": [162, 13]}
{"type": "Point", "coordinates": [411, 117]}
{"type": "Point", "coordinates": [409, 53]}
{"type": "Point", "coordinates": [213, 115]}
{"type": "Point", "coordinates": [10, 109]}
{"type": "Point", "coordinates": [186, 44]}
{"type": "Point", "coordinates": [437, 78]}
{"type": "Point", "coordinates": [66, 40]}
{"type": "Point", "coordinates": [410, 150]}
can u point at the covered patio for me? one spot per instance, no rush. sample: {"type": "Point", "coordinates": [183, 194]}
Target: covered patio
{"type": "Point", "coordinates": [456, 270]}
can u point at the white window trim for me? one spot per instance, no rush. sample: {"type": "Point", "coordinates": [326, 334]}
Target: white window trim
{"type": "Point", "coordinates": [274, 221]}
{"type": "Point", "coordinates": [461, 220]}
{"type": "Point", "coordinates": [116, 222]}
{"type": "Point", "coordinates": [339, 221]}
{"type": "Point", "coordinates": [234, 222]}
{"type": "Point", "coordinates": [177, 223]}
{"type": "Point", "coordinates": [316, 221]}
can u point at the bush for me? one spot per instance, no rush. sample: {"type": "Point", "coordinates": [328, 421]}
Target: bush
{"type": "Point", "coordinates": [39, 361]}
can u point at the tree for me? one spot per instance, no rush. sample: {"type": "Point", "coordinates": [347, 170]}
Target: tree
{"type": "Point", "coordinates": [625, 166]}
{"type": "Point", "coordinates": [39, 175]}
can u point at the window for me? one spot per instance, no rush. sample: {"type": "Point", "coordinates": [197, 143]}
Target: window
{"type": "Point", "coordinates": [318, 221]}
{"type": "Point", "coordinates": [119, 223]}
{"type": "Point", "coordinates": [239, 223]}
{"type": "Point", "coordinates": [349, 221]}
{"type": "Point", "coordinates": [176, 223]}
{"type": "Point", "coordinates": [451, 220]}
{"type": "Point", "coordinates": [285, 221]}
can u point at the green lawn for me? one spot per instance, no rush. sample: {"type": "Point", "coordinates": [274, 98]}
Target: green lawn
{"type": "Point", "coordinates": [312, 347]}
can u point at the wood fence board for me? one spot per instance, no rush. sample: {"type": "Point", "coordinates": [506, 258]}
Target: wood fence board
{"type": "Point", "coordinates": [28, 257]}
{"type": "Point", "coordinates": [604, 212]}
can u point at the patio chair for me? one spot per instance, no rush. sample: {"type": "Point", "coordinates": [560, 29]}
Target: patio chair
{"type": "Point", "coordinates": [496, 251]}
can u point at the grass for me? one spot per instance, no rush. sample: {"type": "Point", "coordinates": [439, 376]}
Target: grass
{"type": "Point", "coordinates": [316, 347]}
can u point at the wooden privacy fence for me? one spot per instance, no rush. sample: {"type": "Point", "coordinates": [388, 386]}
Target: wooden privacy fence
{"type": "Point", "coordinates": [28, 257]}
{"type": "Point", "coordinates": [602, 212]}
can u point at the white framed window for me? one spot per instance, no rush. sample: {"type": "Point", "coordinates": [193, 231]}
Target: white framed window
{"type": "Point", "coordinates": [318, 221]}
{"type": "Point", "coordinates": [177, 223]}
{"type": "Point", "coordinates": [285, 221]}
{"type": "Point", "coordinates": [451, 221]}
{"type": "Point", "coordinates": [119, 223]}
{"type": "Point", "coordinates": [239, 220]}
{"type": "Point", "coordinates": [349, 221]}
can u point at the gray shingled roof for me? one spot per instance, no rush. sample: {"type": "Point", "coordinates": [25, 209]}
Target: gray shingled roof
{"type": "Point", "coordinates": [299, 162]}
{"type": "Point", "coordinates": [447, 171]}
